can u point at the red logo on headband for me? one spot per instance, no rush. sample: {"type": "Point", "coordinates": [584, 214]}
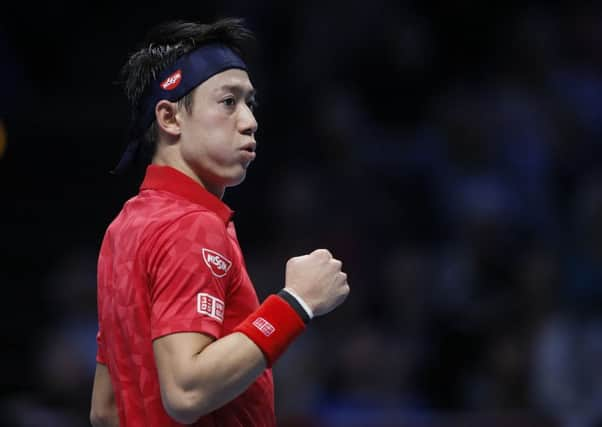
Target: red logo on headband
{"type": "Point", "coordinates": [172, 82]}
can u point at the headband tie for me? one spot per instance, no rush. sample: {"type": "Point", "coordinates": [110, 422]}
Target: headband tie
{"type": "Point", "coordinates": [173, 83]}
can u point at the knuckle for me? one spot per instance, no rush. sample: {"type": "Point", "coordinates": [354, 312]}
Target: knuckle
{"type": "Point", "coordinates": [344, 292]}
{"type": "Point", "coordinates": [323, 253]}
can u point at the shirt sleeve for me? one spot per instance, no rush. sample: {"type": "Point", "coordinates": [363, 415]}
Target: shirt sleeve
{"type": "Point", "coordinates": [189, 269]}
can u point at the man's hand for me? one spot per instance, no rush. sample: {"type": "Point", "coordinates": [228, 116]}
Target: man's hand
{"type": "Point", "coordinates": [318, 279]}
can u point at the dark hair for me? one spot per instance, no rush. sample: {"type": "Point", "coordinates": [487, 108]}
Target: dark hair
{"type": "Point", "coordinates": [163, 45]}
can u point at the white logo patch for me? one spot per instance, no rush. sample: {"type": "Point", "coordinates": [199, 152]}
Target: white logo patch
{"type": "Point", "coordinates": [264, 326]}
{"type": "Point", "coordinates": [210, 306]}
{"type": "Point", "coordinates": [217, 263]}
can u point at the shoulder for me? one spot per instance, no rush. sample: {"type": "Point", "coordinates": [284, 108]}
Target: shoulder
{"type": "Point", "coordinates": [196, 227]}
{"type": "Point", "coordinates": [195, 237]}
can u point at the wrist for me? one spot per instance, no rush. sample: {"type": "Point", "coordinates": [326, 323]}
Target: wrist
{"type": "Point", "coordinates": [273, 327]}
{"type": "Point", "coordinates": [300, 306]}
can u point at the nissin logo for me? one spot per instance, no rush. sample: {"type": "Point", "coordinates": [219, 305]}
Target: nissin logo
{"type": "Point", "coordinates": [172, 82]}
{"type": "Point", "coordinates": [217, 263]}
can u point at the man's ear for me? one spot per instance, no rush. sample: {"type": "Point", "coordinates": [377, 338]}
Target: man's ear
{"type": "Point", "coordinates": [166, 115]}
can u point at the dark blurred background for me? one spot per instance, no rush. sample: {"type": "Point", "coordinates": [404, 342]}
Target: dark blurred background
{"type": "Point", "coordinates": [449, 154]}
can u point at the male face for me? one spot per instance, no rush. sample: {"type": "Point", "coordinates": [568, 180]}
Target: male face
{"type": "Point", "coordinates": [217, 139]}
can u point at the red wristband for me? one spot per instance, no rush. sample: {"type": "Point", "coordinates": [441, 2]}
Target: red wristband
{"type": "Point", "coordinates": [273, 326]}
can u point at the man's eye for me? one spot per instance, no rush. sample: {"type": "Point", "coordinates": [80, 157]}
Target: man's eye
{"type": "Point", "coordinates": [252, 104]}
{"type": "Point", "coordinates": [229, 102]}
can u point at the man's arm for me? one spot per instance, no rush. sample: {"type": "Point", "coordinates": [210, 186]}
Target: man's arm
{"type": "Point", "coordinates": [198, 374]}
{"type": "Point", "coordinates": [103, 412]}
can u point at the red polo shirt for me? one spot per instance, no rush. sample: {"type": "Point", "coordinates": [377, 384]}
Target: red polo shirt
{"type": "Point", "coordinates": [170, 262]}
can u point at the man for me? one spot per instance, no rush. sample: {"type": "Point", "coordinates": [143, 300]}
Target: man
{"type": "Point", "coordinates": [182, 337]}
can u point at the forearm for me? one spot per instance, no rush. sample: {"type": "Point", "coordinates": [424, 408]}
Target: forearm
{"type": "Point", "coordinates": [211, 376]}
{"type": "Point", "coordinates": [226, 368]}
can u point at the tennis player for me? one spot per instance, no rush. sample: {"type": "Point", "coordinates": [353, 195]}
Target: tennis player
{"type": "Point", "coordinates": [182, 337]}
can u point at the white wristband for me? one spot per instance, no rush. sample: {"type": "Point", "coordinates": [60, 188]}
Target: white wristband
{"type": "Point", "coordinates": [302, 303]}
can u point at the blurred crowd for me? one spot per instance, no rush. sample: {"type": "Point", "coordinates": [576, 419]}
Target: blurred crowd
{"type": "Point", "coordinates": [452, 160]}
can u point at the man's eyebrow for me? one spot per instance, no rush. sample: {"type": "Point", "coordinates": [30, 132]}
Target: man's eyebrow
{"type": "Point", "coordinates": [239, 90]}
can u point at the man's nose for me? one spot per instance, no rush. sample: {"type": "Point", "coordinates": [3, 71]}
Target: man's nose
{"type": "Point", "coordinates": [248, 123]}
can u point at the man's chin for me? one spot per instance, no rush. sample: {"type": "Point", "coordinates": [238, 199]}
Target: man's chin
{"type": "Point", "coordinates": [234, 181]}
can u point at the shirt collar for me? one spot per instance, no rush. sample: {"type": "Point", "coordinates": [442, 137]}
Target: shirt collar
{"type": "Point", "coordinates": [166, 178]}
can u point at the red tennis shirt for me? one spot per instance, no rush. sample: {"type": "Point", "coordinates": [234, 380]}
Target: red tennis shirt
{"type": "Point", "coordinates": [171, 262]}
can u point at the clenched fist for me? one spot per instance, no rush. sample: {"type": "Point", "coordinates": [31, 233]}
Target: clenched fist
{"type": "Point", "coordinates": [318, 279]}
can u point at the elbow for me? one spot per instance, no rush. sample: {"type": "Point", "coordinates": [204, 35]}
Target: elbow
{"type": "Point", "coordinates": [103, 418]}
{"type": "Point", "coordinates": [95, 419]}
{"type": "Point", "coordinates": [184, 406]}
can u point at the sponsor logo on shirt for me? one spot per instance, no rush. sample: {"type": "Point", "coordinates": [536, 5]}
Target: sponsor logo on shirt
{"type": "Point", "coordinates": [217, 263]}
{"type": "Point", "coordinates": [264, 326]}
{"type": "Point", "coordinates": [210, 306]}
{"type": "Point", "coordinates": [172, 81]}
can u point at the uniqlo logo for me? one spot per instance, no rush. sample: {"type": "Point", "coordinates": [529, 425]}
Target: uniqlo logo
{"type": "Point", "coordinates": [264, 326]}
{"type": "Point", "coordinates": [210, 306]}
